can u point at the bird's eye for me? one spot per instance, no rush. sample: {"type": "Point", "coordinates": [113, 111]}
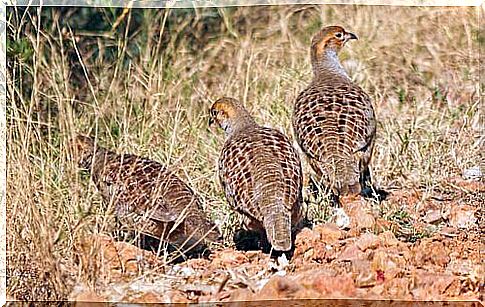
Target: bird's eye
{"type": "Point", "coordinates": [338, 35]}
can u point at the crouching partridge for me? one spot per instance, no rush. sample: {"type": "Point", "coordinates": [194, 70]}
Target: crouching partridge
{"type": "Point", "coordinates": [147, 197]}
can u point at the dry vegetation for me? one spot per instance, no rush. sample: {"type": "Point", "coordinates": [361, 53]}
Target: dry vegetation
{"type": "Point", "coordinates": [144, 84]}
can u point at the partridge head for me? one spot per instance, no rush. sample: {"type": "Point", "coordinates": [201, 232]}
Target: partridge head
{"type": "Point", "coordinates": [330, 38]}
{"type": "Point", "coordinates": [85, 148]}
{"type": "Point", "coordinates": [230, 115]}
{"type": "Point", "coordinates": [326, 45]}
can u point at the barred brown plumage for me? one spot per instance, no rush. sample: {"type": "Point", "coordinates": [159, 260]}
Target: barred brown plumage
{"type": "Point", "coordinates": [260, 172]}
{"type": "Point", "coordinates": [147, 196]}
{"type": "Point", "coordinates": [333, 118]}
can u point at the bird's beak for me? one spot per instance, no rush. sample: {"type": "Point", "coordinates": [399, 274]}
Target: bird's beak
{"type": "Point", "coordinates": [211, 122]}
{"type": "Point", "coordinates": [350, 36]}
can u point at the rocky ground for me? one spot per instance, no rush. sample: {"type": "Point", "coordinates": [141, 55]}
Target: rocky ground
{"type": "Point", "coordinates": [373, 258]}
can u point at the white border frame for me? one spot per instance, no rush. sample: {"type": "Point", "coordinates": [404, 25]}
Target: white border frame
{"type": "Point", "coordinates": [220, 3]}
{"type": "Point", "coordinates": [140, 4]}
{"type": "Point", "coordinates": [3, 157]}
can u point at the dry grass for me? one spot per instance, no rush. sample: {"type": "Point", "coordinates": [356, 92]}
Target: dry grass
{"type": "Point", "coordinates": [147, 91]}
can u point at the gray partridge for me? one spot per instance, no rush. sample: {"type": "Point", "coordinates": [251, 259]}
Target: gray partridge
{"type": "Point", "coordinates": [147, 196]}
{"type": "Point", "coordinates": [333, 118]}
{"type": "Point", "coordinates": [260, 172]}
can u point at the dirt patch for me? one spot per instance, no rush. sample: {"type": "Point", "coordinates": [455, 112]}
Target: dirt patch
{"type": "Point", "coordinates": [328, 262]}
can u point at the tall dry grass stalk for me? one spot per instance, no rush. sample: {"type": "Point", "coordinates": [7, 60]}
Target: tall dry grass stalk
{"type": "Point", "coordinates": [146, 90]}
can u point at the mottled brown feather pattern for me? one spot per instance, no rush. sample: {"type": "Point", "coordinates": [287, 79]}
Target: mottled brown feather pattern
{"type": "Point", "coordinates": [147, 196]}
{"type": "Point", "coordinates": [333, 118]}
{"type": "Point", "coordinates": [260, 172]}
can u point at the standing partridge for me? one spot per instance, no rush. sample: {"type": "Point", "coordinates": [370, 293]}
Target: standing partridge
{"type": "Point", "coordinates": [260, 172]}
{"type": "Point", "coordinates": [334, 120]}
{"type": "Point", "coordinates": [146, 196]}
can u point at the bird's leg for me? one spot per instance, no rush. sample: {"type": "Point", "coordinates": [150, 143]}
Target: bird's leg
{"type": "Point", "coordinates": [368, 189]}
{"type": "Point", "coordinates": [365, 181]}
{"type": "Point", "coordinates": [334, 199]}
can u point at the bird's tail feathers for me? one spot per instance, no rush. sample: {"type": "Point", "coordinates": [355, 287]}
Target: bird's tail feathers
{"type": "Point", "coordinates": [277, 223]}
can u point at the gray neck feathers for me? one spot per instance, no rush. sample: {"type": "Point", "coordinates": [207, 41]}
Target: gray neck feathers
{"type": "Point", "coordinates": [329, 64]}
{"type": "Point", "coordinates": [240, 123]}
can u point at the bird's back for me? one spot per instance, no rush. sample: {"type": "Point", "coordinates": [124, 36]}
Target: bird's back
{"type": "Point", "coordinates": [335, 126]}
{"type": "Point", "coordinates": [149, 197]}
{"type": "Point", "coordinates": [261, 174]}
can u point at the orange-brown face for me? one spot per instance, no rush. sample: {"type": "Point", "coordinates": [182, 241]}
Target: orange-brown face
{"type": "Point", "coordinates": [221, 112]}
{"type": "Point", "coordinates": [84, 146]}
{"type": "Point", "coordinates": [333, 37]}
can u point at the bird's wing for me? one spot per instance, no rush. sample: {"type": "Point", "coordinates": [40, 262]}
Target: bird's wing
{"type": "Point", "coordinates": [333, 119]}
